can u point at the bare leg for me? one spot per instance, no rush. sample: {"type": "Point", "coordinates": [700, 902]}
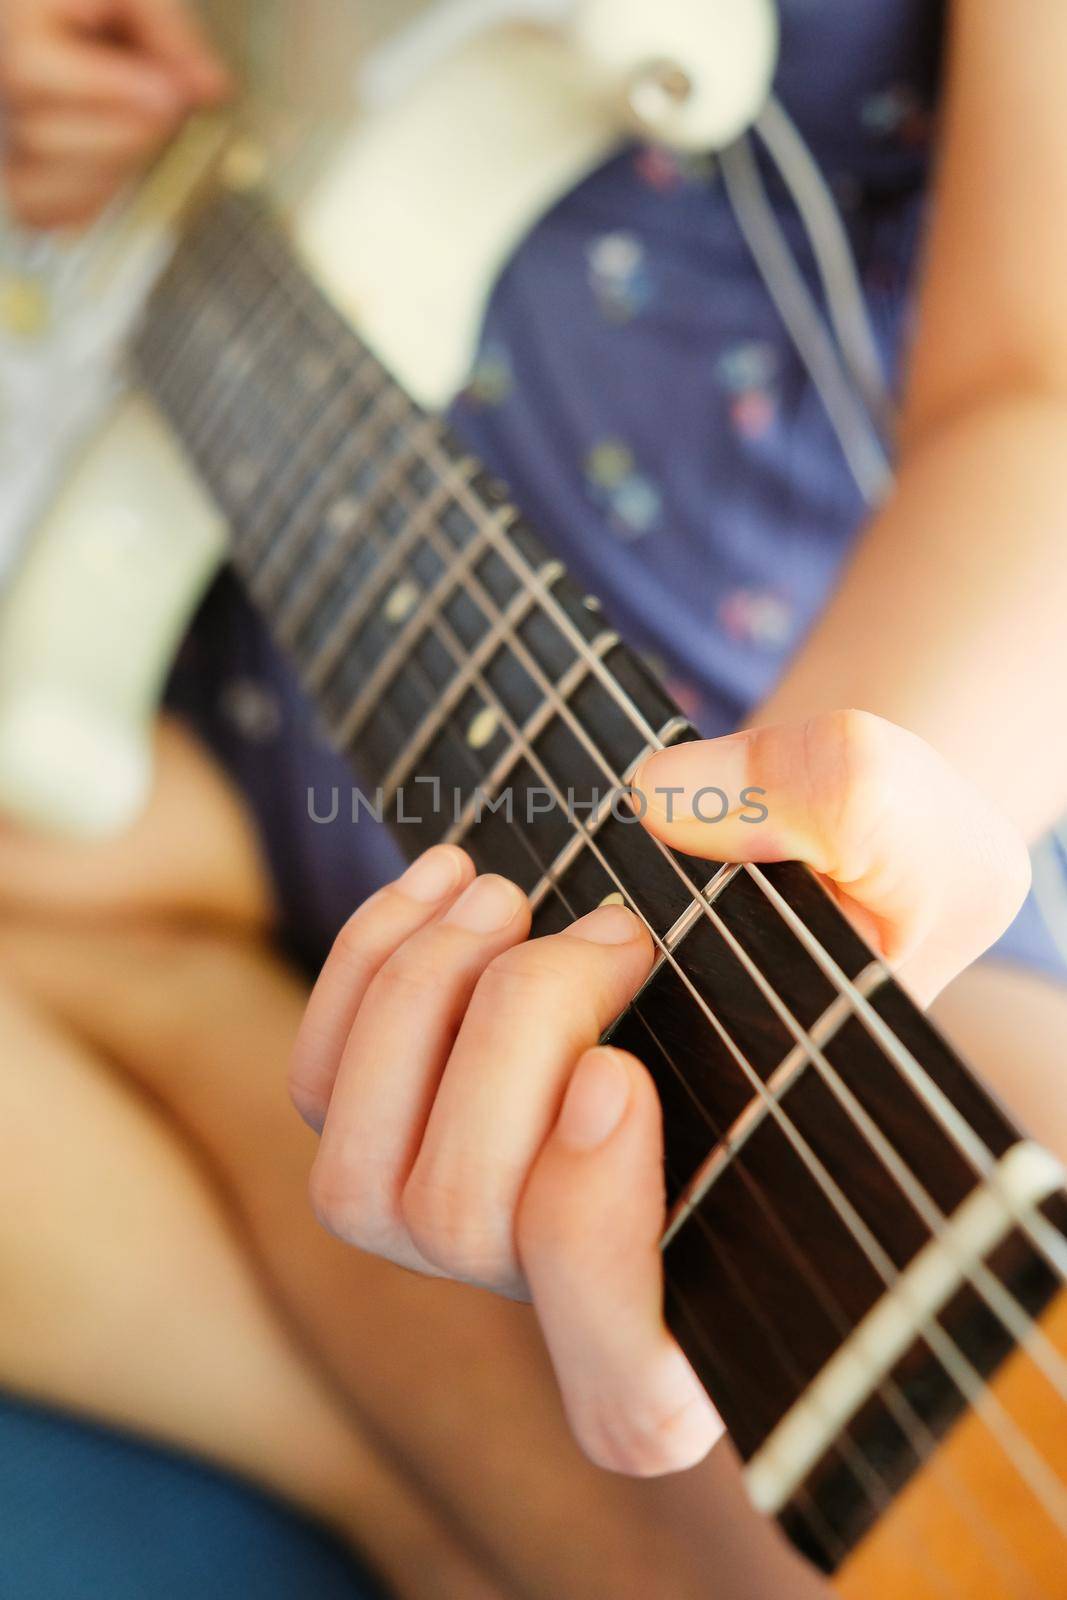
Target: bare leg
{"type": "Point", "coordinates": [193, 855]}
{"type": "Point", "coordinates": [127, 1295]}
{"type": "Point", "coordinates": [450, 1380]}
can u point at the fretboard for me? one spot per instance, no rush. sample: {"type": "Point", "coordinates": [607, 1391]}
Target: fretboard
{"type": "Point", "coordinates": [818, 1131]}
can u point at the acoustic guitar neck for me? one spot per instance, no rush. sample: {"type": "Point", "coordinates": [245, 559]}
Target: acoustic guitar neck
{"type": "Point", "coordinates": [864, 1258]}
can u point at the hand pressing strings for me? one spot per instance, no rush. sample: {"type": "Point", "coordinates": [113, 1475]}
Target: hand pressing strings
{"type": "Point", "coordinates": [471, 1126]}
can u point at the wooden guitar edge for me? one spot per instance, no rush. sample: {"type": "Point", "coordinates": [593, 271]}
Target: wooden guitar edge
{"type": "Point", "coordinates": [967, 1525]}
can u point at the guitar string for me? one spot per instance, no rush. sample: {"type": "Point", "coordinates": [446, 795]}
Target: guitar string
{"type": "Point", "coordinates": [613, 776]}
{"type": "Point", "coordinates": [1046, 1238]}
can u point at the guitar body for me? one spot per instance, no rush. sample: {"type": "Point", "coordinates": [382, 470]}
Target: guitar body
{"type": "Point", "coordinates": [970, 1481]}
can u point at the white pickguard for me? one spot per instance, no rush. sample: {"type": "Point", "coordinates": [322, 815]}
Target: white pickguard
{"type": "Point", "coordinates": [406, 231]}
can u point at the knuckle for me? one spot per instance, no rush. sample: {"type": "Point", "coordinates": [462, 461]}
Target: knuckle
{"type": "Point", "coordinates": [351, 945]}
{"type": "Point", "coordinates": [859, 746]}
{"type": "Point", "coordinates": [849, 762]}
{"type": "Point", "coordinates": [347, 1200]}
{"type": "Point", "coordinates": [536, 971]}
{"type": "Point", "coordinates": [516, 989]}
{"type": "Point", "coordinates": [408, 975]}
{"type": "Point", "coordinates": [863, 737]}
{"type": "Point", "coordinates": [459, 1229]}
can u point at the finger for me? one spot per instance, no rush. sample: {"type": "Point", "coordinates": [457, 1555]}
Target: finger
{"type": "Point", "coordinates": [392, 1065]}
{"type": "Point", "coordinates": [51, 194]}
{"type": "Point", "coordinates": [87, 138]}
{"type": "Point", "coordinates": [929, 869]}
{"type": "Point", "coordinates": [53, 69]}
{"type": "Point", "coordinates": [533, 1012]}
{"type": "Point", "coordinates": [368, 939]}
{"type": "Point", "coordinates": [169, 30]}
{"type": "Point", "coordinates": [589, 1227]}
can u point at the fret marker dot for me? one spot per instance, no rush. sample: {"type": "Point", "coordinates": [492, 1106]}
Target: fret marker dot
{"type": "Point", "coordinates": [342, 514]}
{"type": "Point", "coordinates": [402, 602]}
{"type": "Point", "coordinates": [482, 727]}
{"type": "Point", "coordinates": [615, 898]}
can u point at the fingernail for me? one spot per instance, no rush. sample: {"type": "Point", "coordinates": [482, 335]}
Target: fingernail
{"type": "Point", "coordinates": [607, 925]}
{"type": "Point", "coordinates": [487, 905]}
{"type": "Point", "coordinates": [698, 781]}
{"type": "Point", "coordinates": [433, 875]}
{"type": "Point", "coordinates": [595, 1102]}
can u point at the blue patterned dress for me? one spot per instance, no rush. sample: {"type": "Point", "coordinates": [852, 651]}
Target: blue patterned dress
{"type": "Point", "coordinates": [636, 387]}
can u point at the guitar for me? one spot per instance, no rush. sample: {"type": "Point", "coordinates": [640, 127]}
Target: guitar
{"type": "Point", "coordinates": [864, 1259]}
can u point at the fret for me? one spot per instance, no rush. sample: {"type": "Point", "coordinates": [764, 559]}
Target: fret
{"type": "Point", "coordinates": [694, 911]}
{"type": "Point", "coordinates": [268, 410]}
{"type": "Point", "coordinates": [812, 1278]}
{"type": "Point", "coordinates": [512, 551]}
{"type": "Point", "coordinates": [398, 652]}
{"type": "Point", "coordinates": [883, 1220]}
{"type": "Point", "coordinates": [286, 465]}
{"type": "Point", "coordinates": [668, 734]}
{"type": "Point", "coordinates": [357, 418]}
{"type": "Point", "coordinates": [327, 339]}
{"type": "Point", "coordinates": [216, 422]}
{"type": "Point", "coordinates": [228, 323]}
{"type": "Point", "coordinates": [353, 518]}
{"type": "Point", "coordinates": [429, 560]}
{"type": "Point", "coordinates": [348, 481]}
{"type": "Point", "coordinates": [780, 1081]}
{"type": "Point", "coordinates": [625, 688]}
{"type": "Point", "coordinates": [182, 387]}
{"type": "Point", "coordinates": [961, 1109]}
{"type": "Point", "coordinates": [246, 319]}
{"type": "Point", "coordinates": [320, 517]}
{"type": "Point", "coordinates": [850, 1058]}
{"type": "Point", "coordinates": [712, 1065]}
{"type": "Point", "coordinates": [898, 1382]}
{"type": "Point", "coordinates": [515, 610]}
{"type": "Point", "coordinates": [532, 731]}
{"type": "Point", "coordinates": [189, 289]}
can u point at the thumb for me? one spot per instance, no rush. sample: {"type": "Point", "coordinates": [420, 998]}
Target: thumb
{"type": "Point", "coordinates": [920, 860]}
{"type": "Point", "coordinates": [588, 1232]}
